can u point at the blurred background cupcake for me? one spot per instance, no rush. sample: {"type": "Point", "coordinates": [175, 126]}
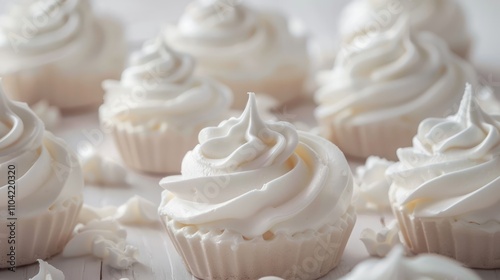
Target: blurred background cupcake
{"type": "Point", "coordinates": [377, 93]}
{"type": "Point", "coordinates": [59, 51]}
{"type": "Point", "coordinates": [159, 106]}
{"type": "Point", "coordinates": [244, 48]}
{"type": "Point", "coordinates": [444, 18]}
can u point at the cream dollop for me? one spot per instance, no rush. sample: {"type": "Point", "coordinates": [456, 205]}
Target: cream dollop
{"type": "Point", "coordinates": [371, 185]}
{"type": "Point", "coordinates": [444, 18]}
{"type": "Point", "coordinates": [159, 88]}
{"type": "Point", "coordinates": [135, 211]}
{"type": "Point", "coordinates": [399, 79]}
{"type": "Point", "coordinates": [453, 168]}
{"type": "Point", "coordinates": [102, 171]}
{"type": "Point", "coordinates": [425, 266]}
{"type": "Point", "coordinates": [42, 26]}
{"type": "Point", "coordinates": [103, 239]}
{"type": "Point", "coordinates": [380, 243]}
{"type": "Point", "coordinates": [50, 115]}
{"type": "Point", "coordinates": [48, 272]}
{"type": "Point", "coordinates": [44, 170]}
{"type": "Point", "coordinates": [232, 40]}
{"type": "Point", "coordinates": [251, 177]}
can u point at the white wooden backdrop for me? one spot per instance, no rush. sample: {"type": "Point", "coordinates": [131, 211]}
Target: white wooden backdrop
{"type": "Point", "coordinates": [143, 19]}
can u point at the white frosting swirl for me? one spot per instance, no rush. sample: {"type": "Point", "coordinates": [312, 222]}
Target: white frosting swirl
{"type": "Point", "coordinates": [425, 266]}
{"type": "Point", "coordinates": [232, 40]}
{"type": "Point", "coordinates": [36, 27]}
{"type": "Point", "coordinates": [444, 18]}
{"type": "Point", "coordinates": [453, 168]}
{"type": "Point", "coordinates": [159, 86]}
{"type": "Point", "coordinates": [397, 78]}
{"type": "Point", "coordinates": [251, 177]}
{"type": "Point", "coordinates": [46, 172]}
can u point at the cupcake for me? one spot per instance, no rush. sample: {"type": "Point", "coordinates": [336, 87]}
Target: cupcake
{"type": "Point", "coordinates": [41, 187]}
{"type": "Point", "coordinates": [57, 50]}
{"type": "Point", "coordinates": [375, 97]}
{"type": "Point", "coordinates": [158, 108]}
{"type": "Point", "coordinates": [258, 199]}
{"type": "Point", "coordinates": [396, 267]}
{"type": "Point", "coordinates": [246, 49]}
{"type": "Point", "coordinates": [444, 18]}
{"type": "Point", "coordinates": [445, 187]}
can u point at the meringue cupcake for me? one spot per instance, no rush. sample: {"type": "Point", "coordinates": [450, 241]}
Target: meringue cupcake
{"type": "Point", "coordinates": [246, 49]}
{"type": "Point", "coordinates": [157, 109]}
{"type": "Point", "coordinates": [445, 188]}
{"type": "Point", "coordinates": [57, 50]}
{"type": "Point", "coordinates": [444, 18]}
{"type": "Point", "coordinates": [257, 199]}
{"type": "Point", "coordinates": [42, 186]}
{"type": "Point", "coordinates": [396, 266]}
{"type": "Point", "coordinates": [375, 97]}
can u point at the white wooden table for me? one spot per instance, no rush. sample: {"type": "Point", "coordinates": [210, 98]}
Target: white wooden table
{"type": "Point", "coordinates": [158, 259]}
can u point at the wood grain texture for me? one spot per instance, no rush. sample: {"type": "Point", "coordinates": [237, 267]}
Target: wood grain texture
{"type": "Point", "coordinates": [158, 259]}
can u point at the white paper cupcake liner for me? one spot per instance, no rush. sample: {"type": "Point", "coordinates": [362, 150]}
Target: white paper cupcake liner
{"type": "Point", "coordinates": [72, 82]}
{"type": "Point", "coordinates": [159, 152]}
{"type": "Point", "coordinates": [42, 236]}
{"type": "Point", "coordinates": [227, 255]}
{"type": "Point", "coordinates": [474, 245]}
{"type": "Point", "coordinates": [375, 139]}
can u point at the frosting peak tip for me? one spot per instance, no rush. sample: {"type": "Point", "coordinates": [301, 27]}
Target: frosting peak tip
{"type": "Point", "coordinates": [251, 107]}
{"type": "Point", "coordinates": [468, 103]}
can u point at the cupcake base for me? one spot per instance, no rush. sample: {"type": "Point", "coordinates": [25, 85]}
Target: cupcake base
{"type": "Point", "coordinates": [362, 141]}
{"type": "Point", "coordinates": [224, 255]}
{"type": "Point", "coordinates": [42, 236]}
{"type": "Point", "coordinates": [152, 151]}
{"type": "Point", "coordinates": [474, 245]}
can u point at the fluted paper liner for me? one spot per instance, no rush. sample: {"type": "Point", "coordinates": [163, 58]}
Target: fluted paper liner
{"type": "Point", "coordinates": [474, 245]}
{"type": "Point", "coordinates": [72, 82]}
{"type": "Point", "coordinates": [159, 151]}
{"type": "Point", "coordinates": [228, 255]}
{"type": "Point", "coordinates": [377, 139]}
{"type": "Point", "coordinates": [42, 236]}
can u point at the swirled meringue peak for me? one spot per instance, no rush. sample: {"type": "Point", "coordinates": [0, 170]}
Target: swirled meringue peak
{"type": "Point", "coordinates": [159, 85]}
{"type": "Point", "coordinates": [396, 266]}
{"type": "Point", "coordinates": [453, 168]}
{"type": "Point", "coordinates": [251, 176]}
{"type": "Point", "coordinates": [47, 174]}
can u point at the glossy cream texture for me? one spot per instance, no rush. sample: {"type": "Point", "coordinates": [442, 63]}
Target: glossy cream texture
{"type": "Point", "coordinates": [453, 168]}
{"type": "Point", "coordinates": [234, 41]}
{"type": "Point", "coordinates": [251, 177]}
{"type": "Point", "coordinates": [396, 266]}
{"type": "Point", "coordinates": [36, 27]}
{"type": "Point", "coordinates": [398, 77]}
{"type": "Point", "coordinates": [46, 173]}
{"type": "Point", "coordinates": [159, 87]}
{"type": "Point", "coordinates": [444, 18]}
